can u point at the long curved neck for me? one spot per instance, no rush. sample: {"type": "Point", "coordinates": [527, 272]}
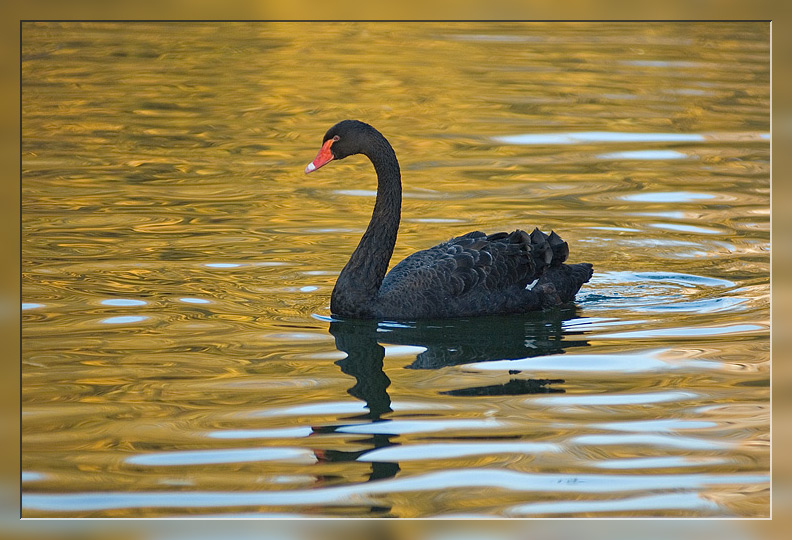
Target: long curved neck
{"type": "Point", "coordinates": [356, 289]}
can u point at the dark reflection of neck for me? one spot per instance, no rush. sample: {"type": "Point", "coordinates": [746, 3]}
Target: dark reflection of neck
{"type": "Point", "coordinates": [363, 362]}
{"type": "Point", "coordinates": [358, 339]}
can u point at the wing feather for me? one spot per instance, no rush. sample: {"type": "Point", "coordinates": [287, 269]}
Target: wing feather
{"type": "Point", "coordinates": [474, 267]}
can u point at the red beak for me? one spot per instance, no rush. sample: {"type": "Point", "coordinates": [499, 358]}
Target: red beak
{"type": "Point", "coordinates": [324, 157]}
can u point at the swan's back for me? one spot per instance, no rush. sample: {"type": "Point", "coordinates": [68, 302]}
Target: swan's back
{"type": "Point", "coordinates": [473, 274]}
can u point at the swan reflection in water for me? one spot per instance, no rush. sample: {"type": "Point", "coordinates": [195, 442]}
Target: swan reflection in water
{"type": "Point", "coordinates": [447, 342]}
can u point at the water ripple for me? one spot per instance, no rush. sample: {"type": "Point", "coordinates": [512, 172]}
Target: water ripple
{"type": "Point", "coordinates": [648, 361]}
{"type": "Point", "coordinates": [614, 399]}
{"type": "Point", "coordinates": [124, 319]}
{"type": "Point", "coordinates": [354, 495]}
{"type": "Point", "coordinates": [702, 331]}
{"type": "Point", "coordinates": [651, 504]}
{"type": "Point", "coordinates": [418, 452]}
{"type": "Point", "coordinates": [589, 137]}
{"type": "Point", "coordinates": [403, 427]}
{"type": "Point", "coordinates": [273, 433]}
{"type": "Point", "coordinates": [122, 302]}
{"type": "Point", "coordinates": [663, 462]}
{"type": "Point", "coordinates": [234, 455]}
{"type": "Point", "coordinates": [645, 155]}
{"type": "Point", "coordinates": [652, 440]}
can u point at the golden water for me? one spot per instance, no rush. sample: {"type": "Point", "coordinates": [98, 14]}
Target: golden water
{"type": "Point", "coordinates": [178, 352]}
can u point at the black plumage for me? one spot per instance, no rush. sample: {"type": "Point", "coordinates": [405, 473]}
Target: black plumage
{"type": "Point", "coordinates": [473, 274]}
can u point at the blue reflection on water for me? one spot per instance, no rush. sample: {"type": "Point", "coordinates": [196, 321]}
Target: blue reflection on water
{"type": "Point", "coordinates": [233, 455]}
{"type": "Point", "coordinates": [662, 63]}
{"type": "Point", "coordinates": [684, 332]}
{"type": "Point", "coordinates": [357, 494]}
{"type": "Point", "coordinates": [670, 501]}
{"type": "Point", "coordinates": [309, 288]}
{"type": "Point", "coordinates": [122, 302]}
{"type": "Point", "coordinates": [657, 425]}
{"type": "Point", "coordinates": [403, 427]}
{"type": "Point", "coordinates": [275, 433]}
{"type": "Point", "coordinates": [613, 399]}
{"type": "Point", "coordinates": [685, 228]}
{"type": "Point", "coordinates": [668, 197]}
{"type": "Point", "coordinates": [124, 319]}
{"type": "Point", "coordinates": [445, 450]}
{"type": "Point", "coordinates": [687, 280]}
{"type": "Point", "coordinates": [662, 462]}
{"type": "Point", "coordinates": [654, 440]}
{"type": "Point", "coordinates": [644, 154]}
{"type": "Point", "coordinates": [625, 363]}
{"type": "Point", "coordinates": [32, 476]}
{"type": "Point", "coordinates": [597, 137]}
{"type": "Point", "coordinates": [193, 300]}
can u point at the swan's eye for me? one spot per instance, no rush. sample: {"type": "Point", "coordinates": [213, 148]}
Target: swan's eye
{"type": "Point", "coordinates": [336, 138]}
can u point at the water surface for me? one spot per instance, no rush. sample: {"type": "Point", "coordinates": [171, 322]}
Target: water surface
{"type": "Point", "coordinates": [179, 357]}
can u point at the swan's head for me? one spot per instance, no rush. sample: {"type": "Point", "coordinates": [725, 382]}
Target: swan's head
{"type": "Point", "coordinates": [344, 139]}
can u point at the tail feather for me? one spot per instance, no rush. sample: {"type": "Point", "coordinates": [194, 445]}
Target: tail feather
{"type": "Point", "coordinates": [547, 250]}
{"type": "Point", "coordinates": [563, 282]}
{"type": "Point", "coordinates": [527, 256]}
{"type": "Point", "coordinates": [560, 248]}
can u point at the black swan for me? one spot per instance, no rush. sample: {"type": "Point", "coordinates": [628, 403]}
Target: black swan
{"type": "Point", "coordinates": [474, 274]}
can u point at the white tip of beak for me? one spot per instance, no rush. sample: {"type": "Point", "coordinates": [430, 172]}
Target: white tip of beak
{"type": "Point", "coordinates": [310, 167]}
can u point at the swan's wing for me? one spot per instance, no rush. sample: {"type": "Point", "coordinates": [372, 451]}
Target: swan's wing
{"type": "Point", "coordinates": [478, 262]}
{"type": "Point", "coordinates": [502, 261]}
